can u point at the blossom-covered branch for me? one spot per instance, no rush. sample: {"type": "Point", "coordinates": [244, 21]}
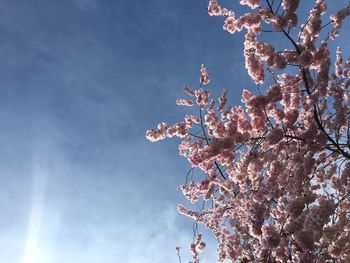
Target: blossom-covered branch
{"type": "Point", "coordinates": [277, 168]}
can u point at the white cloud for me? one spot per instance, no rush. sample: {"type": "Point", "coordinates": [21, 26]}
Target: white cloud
{"type": "Point", "coordinates": [148, 237]}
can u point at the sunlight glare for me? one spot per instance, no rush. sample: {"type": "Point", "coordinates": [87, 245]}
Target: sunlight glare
{"type": "Point", "coordinates": [32, 248]}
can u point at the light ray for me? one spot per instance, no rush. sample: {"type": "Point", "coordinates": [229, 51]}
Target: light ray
{"type": "Point", "coordinates": [32, 249]}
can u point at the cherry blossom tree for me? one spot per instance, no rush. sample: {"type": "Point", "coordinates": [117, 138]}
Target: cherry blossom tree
{"type": "Point", "coordinates": [277, 168]}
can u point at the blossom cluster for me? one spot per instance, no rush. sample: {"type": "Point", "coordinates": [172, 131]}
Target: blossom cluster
{"type": "Point", "coordinates": [277, 168]}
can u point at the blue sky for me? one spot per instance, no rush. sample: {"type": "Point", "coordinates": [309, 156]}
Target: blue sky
{"type": "Point", "coordinates": [81, 82]}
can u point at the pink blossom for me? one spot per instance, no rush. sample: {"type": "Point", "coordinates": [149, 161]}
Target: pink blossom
{"type": "Point", "coordinates": [251, 3]}
{"type": "Point", "coordinates": [184, 102]}
{"type": "Point", "coordinates": [278, 22]}
{"type": "Point", "coordinates": [189, 91]}
{"type": "Point", "coordinates": [214, 9]}
{"type": "Point", "coordinates": [158, 134]}
{"type": "Point", "coordinates": [255, 68]}
{"type": "Point", "coordinates": [306, 58]}
{"type": "Point", "coordinates": [339, 17]}
{"type": "Point", "coordinates": [312, 29]}
{"type": "Point", "coordinates": [274, 93]}
{"type": "Point", "coordinates": [270, 236]}
{"type": "Point", "coordinates": [290, 7]}
{"type": "Point", "coordinates": [305, 239]}
{"type": "Point", "coordinates": [202, 97]}
{"type": "Point", "coordinates": [205, 77]}
{"type": "Point", "coordinates": [295, 206]}
{"type": "Point", "coordinates": [275, 135]}
{"type": "Point", "coordinates": [222, 100]}
{"type": "Point", "coordinates": [230, 24]}
{"type": "Point", "coordinates": [178, 129]}
{"type": "Point", "coordinates": [338, 63]}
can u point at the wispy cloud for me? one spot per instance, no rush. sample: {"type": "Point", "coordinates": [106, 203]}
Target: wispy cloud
{"type": "Point", "coordinates": [86, 5]}
{"type": "Point", "coordinates": [135, 239]}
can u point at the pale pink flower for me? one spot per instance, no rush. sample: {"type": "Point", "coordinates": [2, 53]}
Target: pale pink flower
{"type": "Point", "coordinates": [189, 91]}
{"type": "Point", "coordinates": [270, 236]}
{"type": "Point", "coordinates": [275, 135]}
{"type": "Point", "coordinates": [305, 239]}
{"type": "Point", "coordinates": [183, 102]}
{"type": "Point", "coordinates": [339, 17]}
{"type": "Point", "coordinates": [159, 134]}
{"type": "Point", "coordinates": [230, 24]}
{"type": "Point", "coordinates": [251, 3]}
{"type": "Point", "coordinates": [274, 93]}
{"type": "Point", "coordinates": [338, 63]}
{"type": "Point", "coordinates": [205, 77]}
{"type": "Point", "coordinates": [222, 100]}
{"type": "Point", "coordinates": [255, 68]}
